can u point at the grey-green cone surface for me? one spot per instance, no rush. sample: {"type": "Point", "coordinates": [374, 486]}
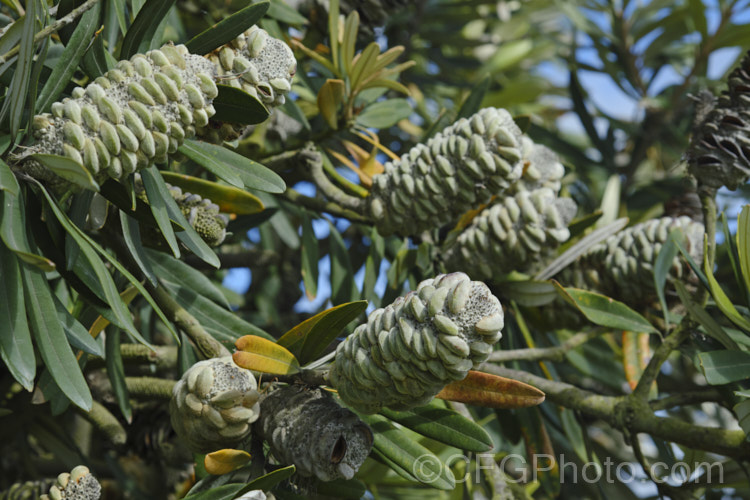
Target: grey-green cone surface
{"type": "Point", "coordinates": [521, 228]}
{"type": "Point", "coordinates": [622, 267]}
{"type": "Point", "coordinates": [719, 152]}
{"type": "Point", "coordinates": [201, 213]}
{"type": "Point", "coordinates": [456, 170]}
{"type": "Point", "coordinates": [136, 114]}
{"type": "Point", "coordinates": [213, 405]}
{"type": "Point", "coordinates": [408, 351]}
{"type": "Point", "coordinates": [306, 427]}
{"type": "Point", "coordinates": [79, 484]}
{"type": "Point", "coordinates": [260, 65]}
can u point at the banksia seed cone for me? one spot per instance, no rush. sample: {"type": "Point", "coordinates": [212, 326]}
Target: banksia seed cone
{"type": "Point", "coordinates": [307, 428]}
{"type": "Point", "coordinates": [407, 352]}
{"type": "Point", "coordinates": [213, 405]}
{"type": "Point", "coordinates": [260, 65]}
{"type": "Point", "coordinates": [719, 152]}
{"type": "Point", "coordinates": [134, 115]}
{"type": "Point", "coordinates": [541, 168]}
{"type": "Point", "coordinates": [456, 170]}
{"type": "Point", "coordinates": [29, 490]}
{"type": "Point", "coordinates": [622, 267]}
{"type": "Point", "coordinates": [78, 485]}
{"type": "Point", "coordinates": [202, 214]}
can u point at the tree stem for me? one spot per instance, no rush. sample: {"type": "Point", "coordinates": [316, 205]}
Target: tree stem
{"type": "Point", "coordinates": [150, 387]}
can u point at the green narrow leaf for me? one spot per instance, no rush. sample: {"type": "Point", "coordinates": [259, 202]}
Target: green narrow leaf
{"type": "Point", "coordinates": [16, 349]}
{"type": "Point", "coordinates": [76, 333]}
{"type": "Point", "coordinates": [721, 298]}
{"type": "Point", "coordinates": [662, 265]}
{"type": "Point", "coordinates": [189, 236]}
{"type": "Point", "coordinates": [132, 236]}
{"type": "Point", "coordinates": [227, 29]}
{"type": "Point", "coordinates": [8, 181]}
{"type": "Point", "coordinates": [97, 60]}
{"type": "Point", "coordinates": [120, 8]}
{"type": "Point", "coordinates": [742, 410]}
{"type": "Point", "coordinates": [292, 109]}
{"type": "Point", "coordinates": [185, 355]}
{"type": "Point", "coordinates": [229, 198]}
{"type": "Point", "coordinates": [343, 288]}
{"type": "Point", "coordinates": [158, 205]}
{"type": "Point", "coordinates": [284, 13]}
{"type": "Point", "coordinates": [473, 101]}
{"type": "Point", "coordinates": [605, 311]}
{"type": "Point", "coordinates": [234, 105]}
{"type": "Point", "coordinates": [185, 275]}
{"type": "Point", "coordinates": [734, 257]}
{"type": "Point", "coordinates": [78, 212]}
{"type": "Point", "coordinates": [309, 338]}
{"type": "Point", "coordinates": [410, 456]}
{"type": "Point", "coordinates": [309, 257]}
{"type": "Point", "coordinates": [13, 231]}
{"type": "Point", "coordinates": [743, 244]}
{"type": "Point", "coordinates": [68, 169]}
{"type": "Point", "coordinates": [701, 316]}
{"type": "Point", "coordinates": [66, 65]}
{"type": "Point", "coordinates": [235, 168]}
{"type": "Point", "coordinates": [384, 114]}
{"type": "Point", "coordinates": [51, 341]}
{"type": "Point", "coordinates": [141, 32]}
{"type": "Point", "coordinates": [116, 372]}
{"type": "Point", "coordinates": [443, 425]}
{"type": "Point", "coordinates": [722, 367]}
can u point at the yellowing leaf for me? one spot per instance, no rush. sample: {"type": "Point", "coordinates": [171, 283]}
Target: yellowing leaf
{"type": "Point", "coordinates": [101, 322]}
{"type": "Point", "coordinates": [225, 461]}
{"type": "Point", "coordinates": [492, 391]}
{"type": "Point", "coordinates": [330, 96]}
{"type": "Point", "coordinates": [229, 198]}
{"type": "Point", "coordinates": [263, 355]}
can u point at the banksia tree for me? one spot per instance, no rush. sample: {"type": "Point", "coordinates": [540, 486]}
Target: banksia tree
{"type": "Point", "coordinates": [408, 351]}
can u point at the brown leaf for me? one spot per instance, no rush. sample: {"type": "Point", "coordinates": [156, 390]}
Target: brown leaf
{"type": "Point", "coordinates": [492, 391]}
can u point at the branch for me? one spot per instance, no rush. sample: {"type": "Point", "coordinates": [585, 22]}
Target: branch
{"type": "Point", "coordinates": [163, 357]}
{"type": "Point", "coordinates": [556, 353]}
{"type": "Point", "coordinates": [634, 415]}
{"type": "Point", "coordinates": [315, 164]}
{"type": "Point", "coordinates": [685, 398]}
{"type": "Point", "coordinates": [106, 423]}
{"type": "Point", "coordinates": [150, 387]}
{"type": "Point", "coordinates": [672, 342]}
{"type": "Point", "coordinates": [320, 205]}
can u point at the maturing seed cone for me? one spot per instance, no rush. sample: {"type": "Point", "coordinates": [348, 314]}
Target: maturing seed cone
{"type": "Point", "coordinates": [307, 428]}
{"type": "Point", "coordinates": [456, 170]}
{"type": "Point", "coordinates": [202, 214]}
{"type": "Point", "coordinates": [622, 267]}
{"type": "Point", "coordinates": [407, 352]}
{"type": "Point", "coordinates": [213, 405]}
{"type": "Point", "coordinates": [719, 153]}
{"type": "Point", "coordinates": [521, 228]}
{"type": "Point", "coordinates": [260, 65]}
{"type": "Point", "coordinates": [78, 485]}
{"type": "Point", "coordinates": [134, 115]}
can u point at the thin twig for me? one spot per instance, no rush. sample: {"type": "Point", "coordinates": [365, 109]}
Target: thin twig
{"type": "Point", "coordinates": [315, 163]}
{"type": "Point", "coordinates": [320, 205]}
{"type": "Point", "coordinates": [556, 353]}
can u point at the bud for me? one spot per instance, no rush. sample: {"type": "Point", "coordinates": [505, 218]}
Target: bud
{"type": "Point", "coordinates": [456, 170]}
{"type": "Point", "coordinates": [307, 428]}
{"type": "Point", "coordinates": [213, 405]}
{"type": "Point", "coordinates": [407, 352]}
{"type": "Point", "coordinates": [78, 485]}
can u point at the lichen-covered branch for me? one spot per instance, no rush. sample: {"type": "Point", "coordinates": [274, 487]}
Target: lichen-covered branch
{"type": "Point", "coordinates": [149, 387]}
{"type": "Point", "coordinates": [556, 353]}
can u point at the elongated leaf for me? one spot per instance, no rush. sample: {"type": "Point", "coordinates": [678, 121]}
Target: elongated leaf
{"type": "Point", "coordinates": [158, 205]}
{"type": "Point", "coordinates": [116, 373]}
{"type": "Point", "coordinates": [132, 236]}
{"type": "Point", "coordinates": [308, 339]}
{"type": "Point", "coordinates": [51, 341]}
{"type": "Point", "coordinates": [225, 461]}
{"type": "Point", "coordinates": [68, 169]}
{"type": "Point", "coordinates": [743, 243]}
{"type": "Point", "coordinates": [13, 231]}
{"type": "Point", "coordinates": [223, 492]}
{"type": "Point", "coordinates": [310, 256]}
{"type": "Point", "coordinates": [8, 181]}
{"type": "Point", "coordinates": [66, 65]}
{"type": "Point", "coordinates": [384, 114]}
{"type": "Point", "coordinates": [105, 315]}
{"type": "Point", "coordinates": [76, 333]}
{"type": "Point", "coordinates": [191, 239]}
{"type": "Point", "coordinates": [578, 249]}
{"type": "Point", "coordinates": [662, 265]}
{"type": "Point", "coordinates": [721, 298]}
{"type": "Point", "coordinates": [444, 425]}
{"type": "Point", "coordinates": [229, 199]}
{"type": "Point", "coordinates": [529, 293]}
{"type": "Point", "coordinates": [734, 257]}
{"type": "Point", "coordinates": [492, 391]}
{"type": "Point", "coordinates": [330, 97]}
{"type": "Point", "coordinates": [176, 271]}
{"type": "Point", "coordinates": [701, 316]}
{"type": "Point", "coordinates": [473, 101]}
{"type": "Point", "coordinates": [722, 367]}
{"type": "Point", "coordinates": [343, 288]}
{"type": "Point", "coordinates": [241, 170]}
{"type": "Point", "coordinates": [263, 355]}
{"type": "Point", "coordinates": [605, 311]}
{"type": "Point", "coordinates": [16, 349]}
{"type": "Point", "coordinates": [141, 32]}
{"type": "Point", "coordinates": [234, 105]}
{"type": "Point", "coordinates": [742, 410]}
{"type": "Point", "coordinates": [227, 29]}
{"type": "Point", "coordinates": [408, 455]}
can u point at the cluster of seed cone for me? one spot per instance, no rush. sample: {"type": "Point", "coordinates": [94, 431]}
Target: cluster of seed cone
{"type": "Point", "coordinates": [407, 352]}
{"type": "Point", "coordinates": [458, 169]}
{"type": "Point", "coordinates": [260, 65]}
{"type": "Point", "coordinates": [306, 427]}
{"type": "Point", "coordinates": [213, 405]}
{"type": "Point", "coordinates": [78, 485]}
{"type": "Point", "coordinates": [520, 228]}
{"type": "Point", "coordinates": [719, 153]}
{"type": "Point", "coordinates": [201, 213]}
{"type": "Point", "coordinates": [622, 267]}
{"type": "Point", "coordinates": [135, 115]}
